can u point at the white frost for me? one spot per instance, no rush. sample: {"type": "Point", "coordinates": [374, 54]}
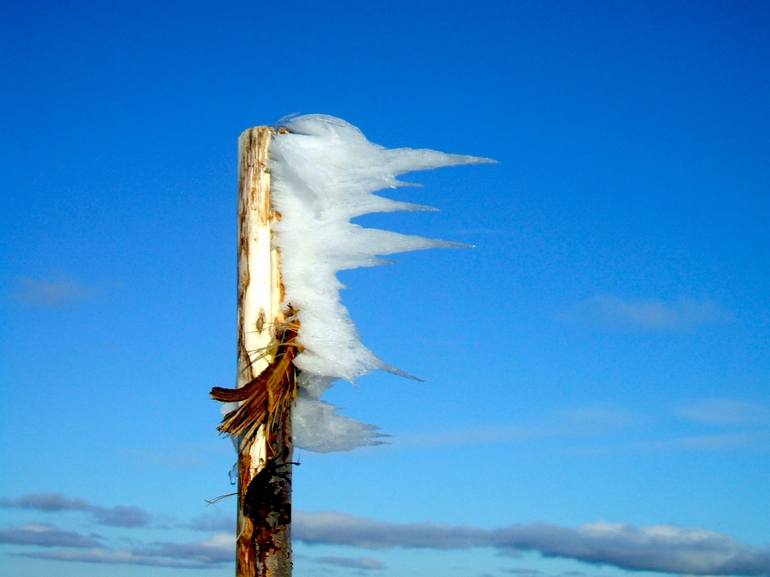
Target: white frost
{"type": "Point", "coordinates": [324, 173]}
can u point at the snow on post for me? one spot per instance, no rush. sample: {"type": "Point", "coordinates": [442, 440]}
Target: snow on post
{"type": "Point", "coordinates": [299, 187]}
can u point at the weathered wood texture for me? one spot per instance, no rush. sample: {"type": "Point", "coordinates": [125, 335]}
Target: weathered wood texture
{"type": "Point", "coordinates": [263, 546]}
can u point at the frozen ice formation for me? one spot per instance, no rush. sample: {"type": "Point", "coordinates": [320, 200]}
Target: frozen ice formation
{"type": "Point", "coordinates": [324, 172]}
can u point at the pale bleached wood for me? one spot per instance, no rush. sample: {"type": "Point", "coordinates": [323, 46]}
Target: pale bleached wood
{"type": "Point", "coordinates": [263, 547]}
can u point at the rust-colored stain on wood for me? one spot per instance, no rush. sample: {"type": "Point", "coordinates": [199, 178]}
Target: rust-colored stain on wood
{"type": "Point", "coordinates": [263, 546]}
{"type": "Point", "coordinates": [261, 321]}
{"type": "Point", "coordinates": [267, 503]}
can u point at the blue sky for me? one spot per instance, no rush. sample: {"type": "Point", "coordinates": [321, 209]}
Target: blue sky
{"type": "Point", "coordinates": [597, 368]}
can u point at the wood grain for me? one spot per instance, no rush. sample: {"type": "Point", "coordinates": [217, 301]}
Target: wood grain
{"type": "Point", "coordinates": [263, 544]}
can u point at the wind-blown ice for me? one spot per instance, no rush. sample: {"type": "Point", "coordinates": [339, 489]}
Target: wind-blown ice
{"type": "Point", "coordinates": [324, 172]}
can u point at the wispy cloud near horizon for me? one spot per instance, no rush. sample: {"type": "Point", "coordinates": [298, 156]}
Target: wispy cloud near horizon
{"type": "Point", "coordinates": [51, 293]}
{"type": "Point", "coordinates": [613, 312]}
{"type": "Point", "coordinates": [117, 516]}
{"type": "Point", "coordinates": [724, 412]}
{"type": "Point", "coordinates": [70, 546]}
{"type": "Point", "coordinates": [662, 548]}
{"type": "Point", "coordinates": [45, 535]}
{"type": "Point", "coordinates": [360, 563]}
{"type": "Point", "coordinates": [725, 441]}
{"type": "Point", "coordinates": [569, 422]}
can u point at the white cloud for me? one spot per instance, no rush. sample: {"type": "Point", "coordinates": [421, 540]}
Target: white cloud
{"type": "Point", "coordinates": [215, 522]}
{"type": "Point", "coordinates": [570, 422]}
{"type": "Point", "coordinates": [662, 548]}
{"type": "Point", "coordinates": [647, 314]}
{"type": "Point", "coordinates": [714, 442]}
{"type": "Point", "coordinates": [361, 563]}
{"type": "Point", "coordinates": [45, 535]}
{"type": "Point", "coordinates": [215, 551]}
{"type": "Point", "coordinates": [107, 556]}
{"type": "Point", "coordinates": [51, 293]}
{"type": "Point", "coordinates": [474, 435]}
{"type": "Point", "coordinates": [598, 417]}
{"type": "Point", "coordinates": [117, 516]}
{"type": "Point", "coordinates": [724, 412]}
{"type": "Point", "coordinates": [524, 572]}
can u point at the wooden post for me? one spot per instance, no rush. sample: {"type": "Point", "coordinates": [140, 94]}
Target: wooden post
{"type": "Point", "coordinates": [263, 545]}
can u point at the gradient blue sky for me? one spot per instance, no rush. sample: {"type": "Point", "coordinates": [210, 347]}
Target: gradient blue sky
{"type": "Point", "coordinates": [601, 355]}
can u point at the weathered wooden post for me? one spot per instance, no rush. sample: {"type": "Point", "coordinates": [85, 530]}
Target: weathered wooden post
{"type": "Point", "coordinates": [325, 173]}
{"type": "Point", "coordinates": [265, 382]}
